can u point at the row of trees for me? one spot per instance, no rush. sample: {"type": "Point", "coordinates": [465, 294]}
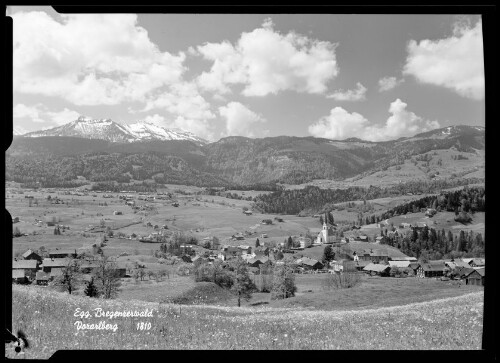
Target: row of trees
{"type": "Point", "coordinates": [234, 276]}
{"type": "Point", "coordinates": [432, 244]}
{"type": "Point", "coordinates": [315, 198]}
{"type": "Point", "coordinates": [104, 281]}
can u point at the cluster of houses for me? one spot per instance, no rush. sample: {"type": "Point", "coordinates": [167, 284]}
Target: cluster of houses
{"type": "Point", "coordinates": [30, 267]}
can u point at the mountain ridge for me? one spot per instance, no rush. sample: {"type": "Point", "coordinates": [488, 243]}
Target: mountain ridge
{"type": "Point", "coordinates": [109, 130]}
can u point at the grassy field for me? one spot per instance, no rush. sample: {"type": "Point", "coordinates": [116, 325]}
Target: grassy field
{"type": "Point", "coordinates": [48, 319]}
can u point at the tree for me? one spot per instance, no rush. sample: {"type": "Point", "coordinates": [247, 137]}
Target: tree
{"type": "Point", "coordinates": [70, 277]}
{"type": "Point", "coordinates": [16, 232]}
{"type": "Point", "coordinates": [330, 218]}
{"type": "Point", "coordinates": [242, 284]}
{"type": "Point", "coordinates": [257, 243]}
{"type": "Point", "coordinates": [107, 278]}
{"type": "Point", "coordinates": [321, 220]}
{"type": "Point", "coordinates": [289, 242]}
{"type": "Point", "coordinates": [328, 255]}
{"type": "Point", "coordinates": [91, 288]}
{"type": "Point", "coordinates": [283, 281]}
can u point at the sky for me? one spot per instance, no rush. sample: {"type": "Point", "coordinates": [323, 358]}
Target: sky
{"type": "Point", "coordinates": [375, 77]}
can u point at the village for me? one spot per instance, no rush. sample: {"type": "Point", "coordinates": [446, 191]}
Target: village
{"type": "Point", "coordinates": [260, 245]}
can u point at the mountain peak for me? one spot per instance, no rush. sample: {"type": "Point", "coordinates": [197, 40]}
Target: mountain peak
{"type": "Point", "coordinates": [107, 129]}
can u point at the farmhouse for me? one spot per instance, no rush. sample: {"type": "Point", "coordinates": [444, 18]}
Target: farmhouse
{"type": "Point", "coordinates": [311, 264]}
{"type": "Point", "coordinates": [377, 269]}
{"type": "Point", "coordinates": [42, 278]}
{"type": "Point", "coordinates": [256, 261]}
{"type": "Point", "coordinates": [431, 269]}
{"type": "Point", "coordinates": [19, 276]}
{"type": "Point", "coordinates": [248, 212]}
{"type": "Point", "coordinates": [30, 255]}
{"type": "Point", "coordinates": [476, 277]}
{"type": "Point", "coordinates": [404, 225]}
{"type": "Point", "coordinates": [399, 264]}
{"type": "Point", "coordinates": [430, 212]}
{"type": "Point", "coordinates": [49, 263]}
{"type": "Point", "coordinates": [238, 236]}
{"type": "Point", "coordinates": [117, 213]}
{"type": "Point", "coordinates": [62, 253]}
{"type": "Point", "coordinates": [29, 266]}
{"type": "Point", "coordinates": [360, 265]}
{"type": "Point", "coordinates": [267, 221]}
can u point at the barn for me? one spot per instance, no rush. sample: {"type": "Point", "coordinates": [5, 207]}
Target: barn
{"type": "Point", "coordinates": [476, 277]}
{"type": "Point", "coordinates": [377, 269]}
{"type": "Point", "coordinates": [31, 255]}
{"type": "Point", "coordinates": [18, 276]}
{"type": "Point", "coordinates": [61, 253]}
{"type": "Point", "coordinates": [431, 269]}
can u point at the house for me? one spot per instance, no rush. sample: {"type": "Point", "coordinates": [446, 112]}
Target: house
{"type": "Point", "coordinates": [404, 225]}
{"type": "Point", "coordinates": [29, 267]}
{"type": "Point", "coordinates": [361, 238]}
{"type": "Point", "coordinates": [378, 257]}
{"type": "Point", "coordinates": [15, 220]}
{"type": "Point", "coordinates": [419, 226]}
{"type": "Point", "coordinates": [360, 265]}
{"type": "Point", "coordinates": [375, 269]}
{"type": "Point", "coordinates": [256, 261]}
{"type": "Point", "coordinates": [430, 212]}
{"type": "Point", "coordinates": [42, 278]}
{"type": "Point", "coordinates": [238, 236]}
{"type": "Point", "coordinates": [267, 221]}
{"type": "Point", "coordinates": [431, 269]}
{"type": "Point", "coordinates": [49, 263]}
{"type": "Point", "coordinates": [31, 255]}
{"type": "Point", "coordinates": [403, 258]}
{"type": "Point", "coordinates": [62, 253]}
{"type": "Point", "coordinates": [19, 276]}
{"type": "Point", "coordinates": [476, 277]}
{"type": "Point", "coordinates": [117, 213]}
{"type": "Point", "coordinates": [414, 266]}
{"type": "Point", "coordinates": [311, 264]}
{"type": "Point", "coordinates": [399, 264]}
{"type": "Point", "coordinates": [477, 262]}
{"type": "Point", "coordinates": [89, 266]}
{"type": "Point", "coordinates": [247, 212]}
{"type": "Point", "coordinates": [379, 239]}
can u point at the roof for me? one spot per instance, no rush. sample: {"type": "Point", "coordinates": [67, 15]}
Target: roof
{"type": "Point", "coordinates": [481, 271]}
{"type": "Point", "coordinates": [460, 263]}
{"type": "Point", "coordinates": [405, 258]}
{"type": "Point", "coordinates": [375, 267]}
{"type": "Point", "coordinates": [68, 251]}
{"type": "Point", "coordinates": [309, 261]}
{"type": "Point", "coordinates": [467, 260]}
{"type": "Point", "coordinates": [28, 252]}
{"type": "Point", "coordinates": [464, 271]}
{"type": "Point", "coordinates": [401, 264]}
{"type": "Point", "coordinates": [362, 263]}
{"type": "Point", "coordinates": [432, 266]}
{"type": "Point", "coordinates": [56, 272]}
{"type": "Point", "coordinates": [55, 262]}
{"type": "Point", "coordinates": [414, 265]}
{"type": "Point", "coordinates": [18, 274]}
{"type": "Point", "coordinates": [29, 264]}
{"type": "Point", "coordinates": [478, 261]}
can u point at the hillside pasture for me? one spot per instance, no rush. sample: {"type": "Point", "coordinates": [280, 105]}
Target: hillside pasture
{"type": "Point", "coordinates": [447, 323]}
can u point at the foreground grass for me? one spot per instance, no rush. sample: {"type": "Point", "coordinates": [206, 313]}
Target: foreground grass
{"type": "Point", "coordinates": [47, 317]}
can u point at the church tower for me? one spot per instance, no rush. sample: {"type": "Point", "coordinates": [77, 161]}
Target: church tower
{"type": "Point", "coordinates": [324, 233]}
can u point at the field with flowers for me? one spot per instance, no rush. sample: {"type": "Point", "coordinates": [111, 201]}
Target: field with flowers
{"type": "Point", "coordinates": [48, 319]}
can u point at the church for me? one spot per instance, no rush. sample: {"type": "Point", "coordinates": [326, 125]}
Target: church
{"type": "Point", "coordinates": [326, 236]}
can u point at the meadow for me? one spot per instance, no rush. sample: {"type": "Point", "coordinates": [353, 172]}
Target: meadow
{"type": "Point", "coordinates": [48, 319]}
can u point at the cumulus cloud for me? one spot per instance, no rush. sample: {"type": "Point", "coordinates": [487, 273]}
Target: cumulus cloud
{"type": "Point", "coordinates": [341, 124]}
{"type": "Point", "coordinates": [240, 120]}
{"type": "Point", "coordinates": [28, 112]}
{"type": "Point", "coordinates": [267, 62]}
{"type": "Point", "coordinates": [357, 94]}
{"type": "Point", "coordinates": [455, 62]}
{"type": "Point", "coordinates": [41, 114]}
{"type": "Point", "coordinates": [89, 59]}
{"type": "Point", "coordinates": [388, 83]}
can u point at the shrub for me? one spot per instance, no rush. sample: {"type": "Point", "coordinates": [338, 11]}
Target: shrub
{"type": "Point", "coordinates": [341, 281]}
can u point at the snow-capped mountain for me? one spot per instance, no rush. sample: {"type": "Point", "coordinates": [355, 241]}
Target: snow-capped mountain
{"type": "Point", "coordinates": [107, 129]}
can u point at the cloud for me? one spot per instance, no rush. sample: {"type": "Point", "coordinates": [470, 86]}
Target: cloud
{"type": "Point", "coordinates": [341, 124]}
{"type": "Point", "coordinates": [89, 59]}
{"type": "Point", "coordinates": [350, 95]}
{"type": "Point", "coordinates": [41, 114]}
{"type": "Point", "coordinates": [30, 112]}
{"type": "Point", "coordinates": [240, 119]}
{"type": "Point", "coordinates": [388, 83]}
{"type": "Point", "coordinates": [455, 62]}
{"type": "Point", "coordinates": [181, 99]}
{"type": "Point", "coordinates": [267, 62]}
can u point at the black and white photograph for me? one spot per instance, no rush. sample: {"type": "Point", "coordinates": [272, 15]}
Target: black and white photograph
{"type": "Point", "coordinates": [246, 181]}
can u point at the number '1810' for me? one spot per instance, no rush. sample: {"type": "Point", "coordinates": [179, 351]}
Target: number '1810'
{"type": "Point", "coordinates": [143, 326]}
